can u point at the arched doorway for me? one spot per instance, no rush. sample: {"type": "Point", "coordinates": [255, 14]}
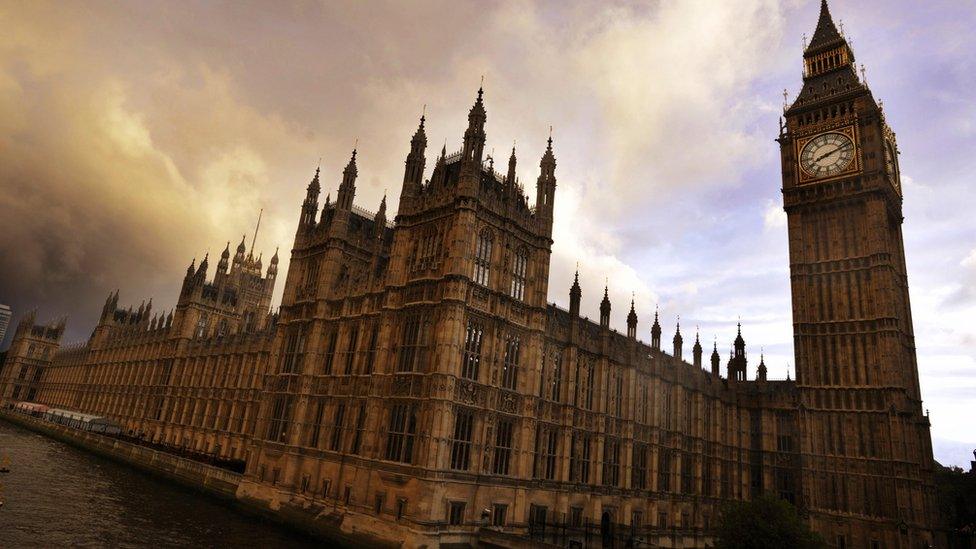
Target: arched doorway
{"type": "Point", "coordinates": [606, 529]}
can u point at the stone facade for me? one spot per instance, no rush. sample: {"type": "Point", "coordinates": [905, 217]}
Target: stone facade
{"type": "Point", "coordinates": [417, 386]}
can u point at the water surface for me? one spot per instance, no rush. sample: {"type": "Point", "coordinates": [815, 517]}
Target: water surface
{"type": "Point", "coordinates": [59, 496]}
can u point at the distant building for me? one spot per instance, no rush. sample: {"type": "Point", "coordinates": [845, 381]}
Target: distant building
{"type": "Point", "coordinates": [4, 320]}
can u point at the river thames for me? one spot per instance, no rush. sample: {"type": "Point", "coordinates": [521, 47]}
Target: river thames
{"type": "Point", "coordinates": [58, 496]}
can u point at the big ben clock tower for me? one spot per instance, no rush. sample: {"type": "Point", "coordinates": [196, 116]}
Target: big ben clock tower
{"type": "Point", "coordinates": [866, 442]}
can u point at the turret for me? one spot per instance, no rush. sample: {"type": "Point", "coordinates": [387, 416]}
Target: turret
{"type": "Point", "coordinates": [413, 173]}
{"type": "Point", "coordinates": [605, 309]}
{"type": "Point", "coordinates": [678, 340]}
{"type": "Point", "coordinates": [379, 221]}
{"type": "Point", "coordinates": [575, 294]}
{"type": "Point", "coordinates": [474, 135]}
{"type": "Point", "coordinates": [511, 178]}
{"type": "Point", "coordinates": [632, 322]}
{"type": "Point", "coordinates": [656, 333]}
{"type": "Point", "coordinates": [761, 369]}
{"type": "Point", "coordinates": [273, 267]}
{"type": "Point", "coordinates": [696, 352]}
{"type": "Point", "coordinates": [310, 206]}
{"type": "Point", "coordinates": [545, 188]}
{"type": "Point", "coordinates": [221, 275]}
{"type": "Point", "coordinates": [347, 189]}
{"type": "Point", "coordinates": [738, 362]}
{"type": "Point", "coordinates": [239, 255]}
{"type": "Point", "coordinates": [716, 361]}
{"type": "Point", "coordinates": [224, 259]}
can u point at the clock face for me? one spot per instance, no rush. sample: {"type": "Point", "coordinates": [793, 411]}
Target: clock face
{"type": "Point", "coordinates": [891, 162]}
{"type": "Point", "coordinates": [827, 154]}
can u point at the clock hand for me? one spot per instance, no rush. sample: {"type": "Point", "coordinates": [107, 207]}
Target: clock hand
{"type": "Point", "coordinates": [825, 155]}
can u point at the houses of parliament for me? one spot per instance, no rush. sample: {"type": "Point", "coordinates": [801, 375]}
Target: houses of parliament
{"type": "Point", "coordinates": [415, 387]}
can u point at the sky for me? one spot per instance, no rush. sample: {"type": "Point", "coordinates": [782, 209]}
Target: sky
{"type": "Point", "coordinates": [137, 136]}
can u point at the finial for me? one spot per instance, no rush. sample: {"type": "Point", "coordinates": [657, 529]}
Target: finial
{"type": "Point", "coordinates": [423, 115]}
{"type": "Point", "coordinates": [804, 41]}
{"type": "Point", "coordinates": [355, 147]}
{"type": "Point", "coordinates": [864, 75]}
{"type": "Point", "coordinates": [550, 137]}
{"type": "Point", "coordinates": [842, 28]}
{"type": "Point", "coordinates": [786, 98]}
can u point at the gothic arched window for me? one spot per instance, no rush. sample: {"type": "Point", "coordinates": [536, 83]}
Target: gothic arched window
{"type": "Point", "coordinates": [482, 258]}
{"type": "Point", "coordinates": [518, 273]}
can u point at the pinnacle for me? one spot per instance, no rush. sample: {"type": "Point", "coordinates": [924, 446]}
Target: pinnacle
{"type": "Point", "coordinates": [826, 32]}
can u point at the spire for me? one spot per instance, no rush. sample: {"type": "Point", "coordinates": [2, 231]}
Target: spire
{"type": "Point", "coordinates": [257, 227]}
{"type": "Point", "coordinates": [716, 360]}
{"type": "Point", "coordinates": [696, 351]}
{"type": "Point", "coordinates": [474, 135]}
{"type": "Point", "coordinates": [632, 321]}
{"type": "Point", "coordinates": [605, 308]}
{"type": "Point", "coordinates": [311, 204]}
{"type": "Point", "coordinates": [656, 333]}
{"type": "Point", "coordinates": [510, 178]}
{"type": "Point", "coordinates": [241, 248]}
{"type": "Point", "coordinates": [826, 35]}
{"type": "Point", "coordinates": [416, 162]}
{"type": "Point", "coordinates": [273, 265]}
{"type": "Point", "coordinates": [678, 340]}
{"type": "Point", "coordinates": [545, 188]}
{"type": "Point", "coordinates": [192, 268]}
{"type": "Point", "coordinates": [347, 189]}
{"type": "Point", "coordinates": [379, 220]}
{"type": "Point", "coordinates": [224, 258]}
{"type": "Point", "coordinates": [575, 294]}
{"type": "Point", "coordinates": [761, 369]}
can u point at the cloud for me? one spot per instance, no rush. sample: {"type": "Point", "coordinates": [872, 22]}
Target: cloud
{"type": "Point", "coordinates": [774, 217]}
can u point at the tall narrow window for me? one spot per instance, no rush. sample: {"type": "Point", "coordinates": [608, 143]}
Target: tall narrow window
{"type": "Point", "coordinates": [335, 444]}
{"type": "Point", "coordinates": [547, 439]}
{"type": "Point", "coordinates": [461, 443]}
{"type": "Point", "coordinates": [471, 359]}
{"type": "Point", "coordinates": [589, 387]}
{"type": "Point", "coordinates": [664, 470]}
{"type": "Point", "coordinates": [357, 439]}
{"type": "Point", "coordinates": [611, 461]}
{"type": "Point", "coordinates": [202, 324]}
{"type": "Point", "coordinates": [556, 373]}
{"type": "Point", "coordinates": [351, 350]}
{"type": "Point", "coordinates": [281, 410]}
{"type": "Point", "coordinates": [518, 273]}
{"type": "Point", "coordinates": [584, 473]}
{"type": "Point", "coordinates": [511, 363]}
{"type": "Point", "coordinates": [316, 430]}
{"type": "Point", "coordinates": [482, 258]}
{"type": "Point", "coordinates": [401, 433]}
{"type": "Point", "coordinates": [294, 351]}
{"type": "Point", "coordinates": [503, 447]}
{"type": "Point", "coordinates": [330, 351]}
{"type": "Point", "coordinates": [413, 344]}
{"type": "Point", "coordinates": [371, 351]}
{"type": "Point", "coordinates": [638, 475]}
{"type": "Point", "coordinates": [687, 478]}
